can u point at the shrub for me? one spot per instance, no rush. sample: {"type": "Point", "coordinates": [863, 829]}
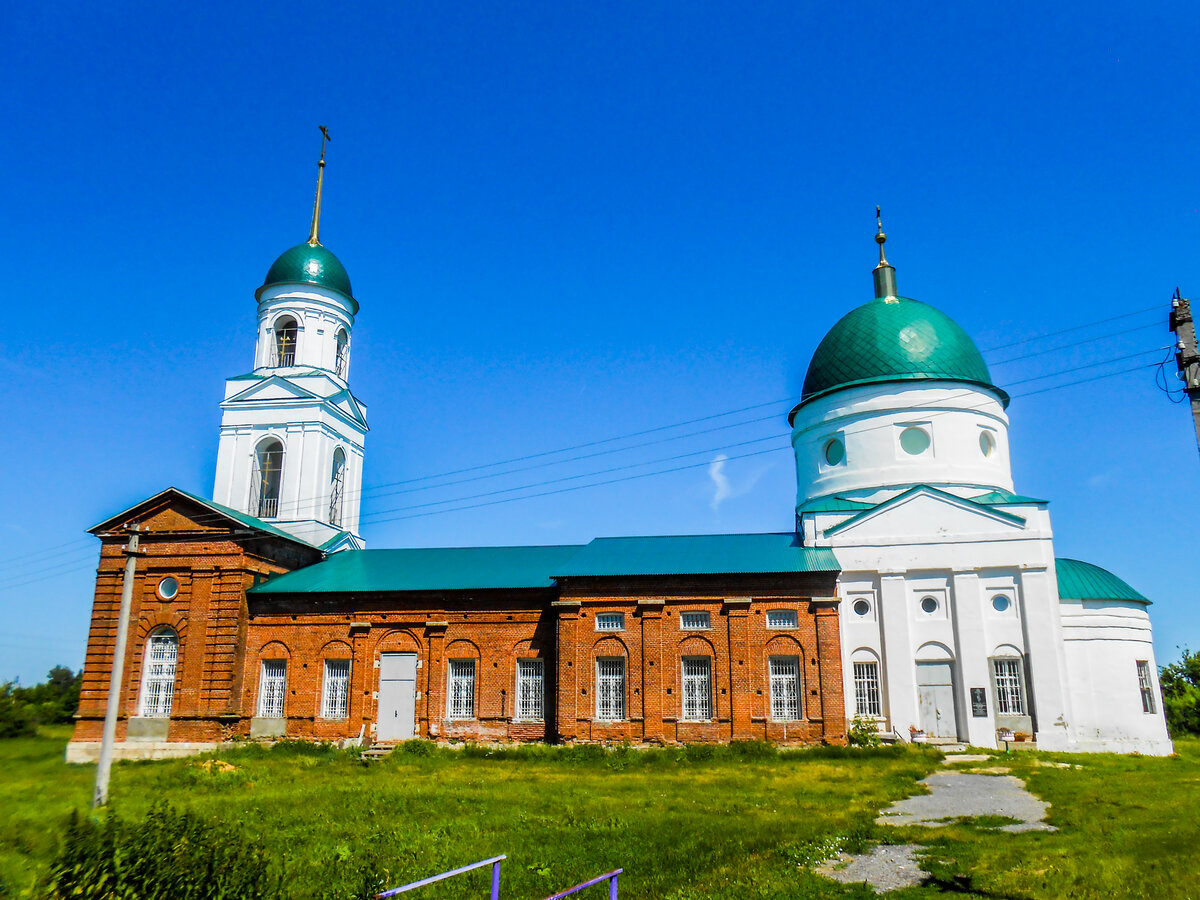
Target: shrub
{"type": "Point", "coordinates": [1181, 694]}
{"type": "Point", "coordinates": [16, 719]}
{"type": "Point", "coordinates": [864, 733]}
{"type": "Point", "coordinates": [168, 854]}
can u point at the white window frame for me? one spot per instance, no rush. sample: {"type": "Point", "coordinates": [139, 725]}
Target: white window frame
{"type": "Point", "coordinates": [610, 688]}
{"type": "Point", "coordinates": [1009, 680]}
{"type": "Point", "coordinates": [335, 689]}
{"type": "Point", "coordinates": [782, 618]}
{"type": "Point", "coordinates": [610, 621]}
{"type": "Point", "coordinates": [868, 700]}
{"type": "Point", "coordinates": [695, 620]}
{"type": "Point", "coordinates": [272, 688]}
{"type": "Point", "coordinates": [1146, 687]}
{"type": "Point", "coordinates": [697, 705]}
{"type": "Point", "coordinates": [531, 691]}
{"type": "Point", "coordinates": [787, 696]}
{"type": "Point", "coordinates": [460, 690]}
{"type": "Point", "coordinates": [337, 487]}
{"type": "Point", "coordinates": [158, 675]}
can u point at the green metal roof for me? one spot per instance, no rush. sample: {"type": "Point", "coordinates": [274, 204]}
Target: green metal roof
{"type": "Point", "coordinates": [311, 264]}
{"type": "Point", "coordinates": [894, 339]}
{"type": "Point", "coordinates": [925, 488]}
{"type": "Point", "coordinates": [1001, 497]}
{"type": "Point", "coordinates": [833, 503]}
{"type": "Point", "coordinates": [424, 569]}
{"type": "Point", "coordinates": [1083, 581]}
{"type": "Point", "coordinates": [706, 554]}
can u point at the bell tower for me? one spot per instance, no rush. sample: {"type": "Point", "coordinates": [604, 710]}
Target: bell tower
{"type": "Point", "coordinates": [292, 433]}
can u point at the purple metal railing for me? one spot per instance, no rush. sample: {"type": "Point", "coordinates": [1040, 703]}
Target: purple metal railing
{"type": "Point", "coordinates": [612, 886]}
{"type": "Point", "coordinates": [494, 862]}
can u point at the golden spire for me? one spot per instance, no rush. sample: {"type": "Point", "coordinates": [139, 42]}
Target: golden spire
{"type": "Point", "coordinates": [880, 237]}
{"type": "Point", "coordinates": [313, 235]}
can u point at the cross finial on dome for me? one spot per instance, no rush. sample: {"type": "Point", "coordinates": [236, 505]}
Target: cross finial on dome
{"type": "Point", "coordinates": [884, 274]}
{"type": "Point", "coordinates": [313, 234]}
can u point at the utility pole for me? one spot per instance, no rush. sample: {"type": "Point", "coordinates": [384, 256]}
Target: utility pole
{"type": "Point", "coordinates": [118, 670]}
{"type": "Point", "coordinates": [1187, 357]}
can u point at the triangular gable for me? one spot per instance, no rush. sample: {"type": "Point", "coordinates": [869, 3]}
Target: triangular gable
{"type": "Point", "coordinates": [912, 511]}
{"type": "Point", "coordinates": [178, 510]}
{"type": "Point", "coordinates": [274, 387]}
{"type": "Point", "coordinates": [347, 403]}
{"type": "Point", "coordinates": [343, 540]}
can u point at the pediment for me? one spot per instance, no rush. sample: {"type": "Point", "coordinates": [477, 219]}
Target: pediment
{"type": "Point", "coordinates": [273, 388]}
{"type": "Point", "coordinates": [346, 402]}
{"type": "Point", "coordinates": [925, 513]}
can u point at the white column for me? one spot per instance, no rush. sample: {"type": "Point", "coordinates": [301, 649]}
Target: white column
{"type": "Point", "coordinates": [1048, 690]}
{"type": "Point", "coordinates": [898, 668]}
{"type": "Point", "coordinates": [971, 653]}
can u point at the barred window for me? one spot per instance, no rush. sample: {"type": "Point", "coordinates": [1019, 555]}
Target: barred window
{"type": "Point", "coordinates": [286, 331]}
{"type": "Point", "coordinates": [1146, 685]}
{"type": "Point", "coordinates": [343, 353]}
{"type": "Point", "coordinates": [610, 689]}
{"type": "Point", "coordinates": [866, 689]}
{"type": "Point", "coordinates": [336, 693]}
{"type": "Point", "coordinates": [158, 674]}
{"type": "Point", "coordinates": [781, 618]}
{"type": "Point", "coordinates": [530, 690]}
{"type": "Point", "coordinates": [610, 621]}
{"type": "Point", "coordinates": [694, 621]}
{"type": "Point", "coordinates": [697, 688]}
{"type": "Point", "coordinates": [337, 486]}
{"type": "Point", "coordinates": [1010, 698]}
{"type": "Point", "coordinates": [272, 684]}
{"type": "Point", "coordinates": [785, 688]}
{"type": "Point", "coordinates": [460, 697]}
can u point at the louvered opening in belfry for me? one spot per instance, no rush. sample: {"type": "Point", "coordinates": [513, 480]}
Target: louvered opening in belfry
{"type": "Point", "coordinates": [268, 478]}
{"type": "Point", "coordinates": [286, 334]}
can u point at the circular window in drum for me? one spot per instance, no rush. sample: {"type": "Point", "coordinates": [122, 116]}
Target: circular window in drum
{"type": "Point", "coordinates": [835, 452]}
{"type": "Point", "coordinates": [1000, 603]}
{"type": "Point", "coordinates": [929, 605]}
{"type": "Point", "coordinates": [987, 443]}
{"type": "Point", "coordinates": [914, 441]}
{"type": "Point", "coordinates": [168, 588]}
{"type": "Point", "coordinates": [861, 607]}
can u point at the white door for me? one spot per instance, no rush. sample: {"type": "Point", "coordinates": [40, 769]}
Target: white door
{"type": "Point", "coordinates": [935, 691]}
{"type": "Point", "coordinates": [397, 697]}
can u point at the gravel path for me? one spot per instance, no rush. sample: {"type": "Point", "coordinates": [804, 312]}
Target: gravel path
{"type": "Point", "coordinates": [886, 867]}
{"type": "Point", "coordinates": [954, 795]}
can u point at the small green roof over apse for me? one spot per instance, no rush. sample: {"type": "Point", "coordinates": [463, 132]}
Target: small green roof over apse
{"type": "Point", "coordinates": [310, 264]}
{"type": "Point", "coordinates": [894, 339]}
{"type": "Point", "coordinates": [1078, 580]}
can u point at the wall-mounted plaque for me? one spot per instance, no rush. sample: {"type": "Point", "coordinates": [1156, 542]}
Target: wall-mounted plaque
{"type": "Point", "coordinates": [979, 703]}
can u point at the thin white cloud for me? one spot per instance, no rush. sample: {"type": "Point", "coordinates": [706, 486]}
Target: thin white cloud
{"type": "Point", "coordinates": [721, 487]}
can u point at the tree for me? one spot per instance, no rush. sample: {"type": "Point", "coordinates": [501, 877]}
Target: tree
{"type": "Point", "coordinates": [16, 719]}
{"type": "Point", "coordinates": [1181, 693]}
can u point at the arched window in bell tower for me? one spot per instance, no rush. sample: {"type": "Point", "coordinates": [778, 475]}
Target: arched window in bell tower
{"type": "Point", "coordinates": [286, 332]}
{"type": "Point", "coordinates": [343, 353]}
{"type": "Point", "coordinates": [337, 487]}
{"type": "Point", "coordinates": [268, 478]}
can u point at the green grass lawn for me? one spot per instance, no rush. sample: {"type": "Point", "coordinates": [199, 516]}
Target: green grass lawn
{"type": "Point", "coordinates": [701, 823]}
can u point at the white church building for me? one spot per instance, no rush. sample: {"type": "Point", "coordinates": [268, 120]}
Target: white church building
{"type": "Point", "coordinates": [957, 620]}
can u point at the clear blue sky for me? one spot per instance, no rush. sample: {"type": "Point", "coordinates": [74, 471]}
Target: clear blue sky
{"type": "Point", "coordinates": [567, 222]}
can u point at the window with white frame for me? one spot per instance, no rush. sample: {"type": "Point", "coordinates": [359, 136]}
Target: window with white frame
{"type": "Point", "coordinates": [272, 685]}
{"type": "Point", "coordinates": [343, 353]}
{"type": "Point", "coordinates": [697, 688]}
{"type": "Point", "coordinates": [531, 683]}
{"type": "Point", "coordinates": [785, 688]}
{"type": "Point", "coordinates": [610, 621]}
{"type": "Point", "coordinates": [158, 674]}
{"type": "Point", "coordinates": [460, 689]}
{"type": "Point", "coordinates": [694, 621]}
{"type": "Point", "coordinates": [1146, 685]}
{"type": "Point", "coordinates": [1010, 696]}
{"type": "Point", "coordinates": [335, 695]}
{"type": "Point", "coordinates": [781, 618]}
{"type": "Point", "coordinates": [610, 689]}
{"type": "Point", "coordinates": [337, 486]}
{"type": "Point", "coordinates": [866, 689]}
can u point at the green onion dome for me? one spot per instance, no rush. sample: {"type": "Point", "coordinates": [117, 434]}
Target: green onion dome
{"type": "Point", "coordinates": [310, 264]}
{"type": "Point", "coordinates": [894, 339]}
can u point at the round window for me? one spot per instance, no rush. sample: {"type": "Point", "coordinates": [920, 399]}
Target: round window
{"type": "Point", "coordinates": [168, 588]}
{"type": "Point", "coordinates": [914, 441]}
{"type": "Point", "coordinates": [1000, 603]}
{"type": "Point", "coordinates": [929, 604]}
{"type": "Point", "coordinates": [987, 443]}
{"type": "Point", "coordinates": [861, 607]}
{"type": "Point", "coordinates": [835, 452]}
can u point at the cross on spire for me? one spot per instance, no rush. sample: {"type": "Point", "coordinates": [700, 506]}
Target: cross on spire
{"type": "Point", "coordinates": [314, 233]}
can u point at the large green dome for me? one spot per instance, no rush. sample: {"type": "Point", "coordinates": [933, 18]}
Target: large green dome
{"type": "Point", "coordinates": [310, 264]}
{"type": "Point", "coordinates": [890, 340]}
